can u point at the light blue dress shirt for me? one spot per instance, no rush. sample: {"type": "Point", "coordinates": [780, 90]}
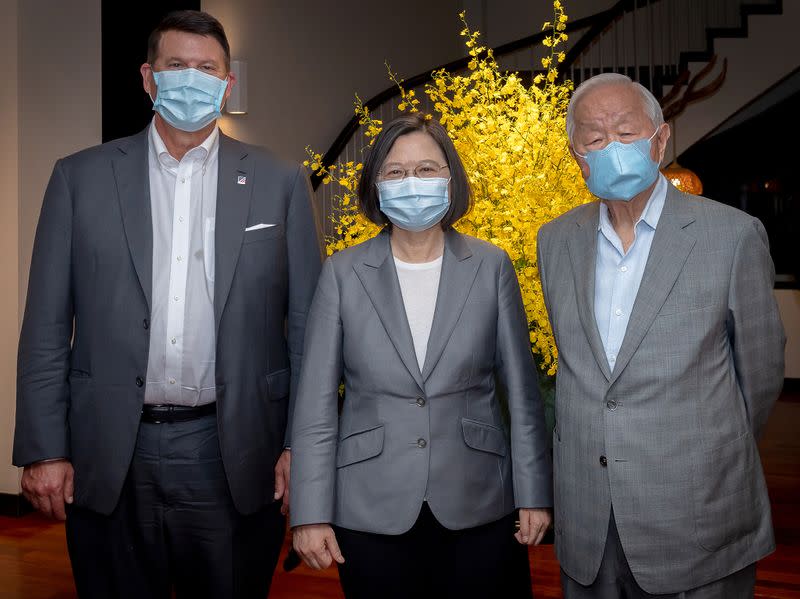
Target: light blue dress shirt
{"type": "Point", "coordinates": [618, 274]}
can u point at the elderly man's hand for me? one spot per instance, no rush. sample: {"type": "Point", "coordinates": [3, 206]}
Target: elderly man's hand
{"type": "Point", "coordinates": [533, 524]}
{"type": "Point", "coordinates": [316, 544]}
{"type": "Point", "coordinates": [48, 486]}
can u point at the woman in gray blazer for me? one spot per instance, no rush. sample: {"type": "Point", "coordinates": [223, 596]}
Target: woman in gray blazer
{"type": "Point", "coordinates": [411, 486]}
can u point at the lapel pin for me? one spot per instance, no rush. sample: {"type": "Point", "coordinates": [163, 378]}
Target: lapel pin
{"type": "Point", "coordinates": [241, 180]}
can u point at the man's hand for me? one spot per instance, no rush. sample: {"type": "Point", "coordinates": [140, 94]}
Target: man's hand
{"type": "Point", "coordinates": [533, 523]}
{"type": "Point", "coordinates": [282, 479]}
{"type": "Point", "coordinates": [48, 486]}
{"type": "Point", "coordinates": [316, 544]}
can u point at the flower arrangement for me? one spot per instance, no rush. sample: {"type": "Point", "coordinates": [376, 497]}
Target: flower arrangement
{"type": "Point", "coordinates": [513, 142]}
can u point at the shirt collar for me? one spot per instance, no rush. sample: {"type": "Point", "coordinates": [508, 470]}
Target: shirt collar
{"type": "Point", "coordinates": [652, 210]}
{"type": "Point", "coordinates": [202, 153]}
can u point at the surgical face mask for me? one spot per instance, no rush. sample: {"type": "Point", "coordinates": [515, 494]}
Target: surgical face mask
{"type": "Point", "coordinates": [414, 204]}
{"type": "Point", "coordinates": [621, 171]}
{"type": "Point", "coordinates": [188, 99]}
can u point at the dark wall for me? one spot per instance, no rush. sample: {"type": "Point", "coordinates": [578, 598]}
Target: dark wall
{"type": "Point", "coordinates": [125, 28]}
{"type": "Point", "coordinates": [753, 166]}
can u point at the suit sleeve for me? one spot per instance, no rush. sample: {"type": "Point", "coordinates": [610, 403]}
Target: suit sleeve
{"type": "Point", "coordinates": [754, 326]}
{"type": "Point", "coordinates": [316, 420]}
{"type": "Point", "coordinates": [305, 257]}
{"type": "Point", "coordinates": [531, 467]}
{"type": "Point", "coordinates": [45, 341]}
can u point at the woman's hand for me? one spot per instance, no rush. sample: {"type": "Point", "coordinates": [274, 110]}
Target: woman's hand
{"type": "Point", "coordinates": [533, 523]}
{"type": "Point", "coordinates": [316, 544]}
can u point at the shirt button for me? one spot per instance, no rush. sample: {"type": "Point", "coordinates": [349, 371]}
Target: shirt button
{"type": "Point", "coordinates": [179, 258]}
{"type": "Point", "coordinates": [183, 179]}
{"type": "Point", "coordinates": [624, 268]}
{"type": "Point", "coordinates": [618, 312]}
{"type": "Point", "coordinates": [422, 443]}
{"type": "Point", "coordinates": [420, 401]}
{"type": "Point", "coordinates": [603, 461]}
{"type": "Point", "coordinates": [175, 298]}
{"type": "Point", "coordinates": [139, 381]}
{"type": "Point", "coordinates": [171, 381]}
{"type": "Point", "coordinates": [612, 358]}
{"type": "Point", "coordinates": [173, 341]}
{"type": "Point", "coordinates": [180, 219]}
{"type": "Point", "coordinates": [611, 405]}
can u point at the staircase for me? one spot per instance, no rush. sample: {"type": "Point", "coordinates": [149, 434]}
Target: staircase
{"type": "Point", "coordinates": [660, 43]}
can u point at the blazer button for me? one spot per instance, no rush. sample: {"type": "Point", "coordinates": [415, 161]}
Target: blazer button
{"type": "Point", "coordinates": [139, 381]}
{"type": "Point", "coordinates": [603, 461]}
{"type": "Point", "coordinates": [146, 323]}
{"type": "Point", "coordinates": [611, 405]}
{"type": "Point", "coordinates": [420, 401]}
{"type": "Point", "coordinates": [422, 443]}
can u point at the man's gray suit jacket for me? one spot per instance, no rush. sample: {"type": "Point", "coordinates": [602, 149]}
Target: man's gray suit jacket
{"type": "Point", "coordinates": [677, 419]}
{"type": "Point", "coordinates": [407, 434]}
{"type": "Point", "coordinates": [85, 337]}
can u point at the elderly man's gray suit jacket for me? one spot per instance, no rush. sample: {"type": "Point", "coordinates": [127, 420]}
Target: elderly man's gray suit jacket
{"type": "Point", "coordinates": [85, 338]}
{"type": "Point", "coordinates": [407, 434]}
{"type": "Point", "coordinates": [677, 419]}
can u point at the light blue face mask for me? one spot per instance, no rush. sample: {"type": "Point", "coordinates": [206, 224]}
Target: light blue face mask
{"type": "Point", "coordinates": [188, 99]}
{"type": "Point", "coordinates": [621, 171]}
{"type": "Point", "coordinates": [414, 204]}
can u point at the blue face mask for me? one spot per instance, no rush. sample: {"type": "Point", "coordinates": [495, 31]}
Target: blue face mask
{"type": "Point", "coordinates": [414, 204]}
{"type": "Point", "coordinates": [188, 99]}
{"type": "Point", "coordinates": [621, 171]}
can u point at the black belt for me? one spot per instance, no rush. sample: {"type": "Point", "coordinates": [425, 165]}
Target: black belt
{"type": "Point", "coordinates": [159, 414]}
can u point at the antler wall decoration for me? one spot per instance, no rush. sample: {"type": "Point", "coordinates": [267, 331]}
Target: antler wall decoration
{"type": "Point", "coordinates": [674, 103]}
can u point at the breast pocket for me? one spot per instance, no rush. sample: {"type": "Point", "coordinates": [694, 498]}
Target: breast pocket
{"type": "Point", "coordinates": [271, 232]}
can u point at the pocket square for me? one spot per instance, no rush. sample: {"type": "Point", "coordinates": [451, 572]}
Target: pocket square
{"type": "Point", "coordinates": [258, 226]}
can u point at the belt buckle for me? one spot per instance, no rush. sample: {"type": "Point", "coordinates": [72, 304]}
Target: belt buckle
{"type": "Point", "coordinates": [164, 418]}
{"type": "Point", "coordinates": [168, 417]}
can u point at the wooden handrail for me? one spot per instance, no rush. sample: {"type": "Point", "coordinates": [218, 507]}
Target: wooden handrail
{"type": "Point", "coordinates": [595, 23]}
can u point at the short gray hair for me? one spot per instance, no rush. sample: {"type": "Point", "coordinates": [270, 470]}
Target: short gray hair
{"type": "Point", "coordinates": [649, 102]}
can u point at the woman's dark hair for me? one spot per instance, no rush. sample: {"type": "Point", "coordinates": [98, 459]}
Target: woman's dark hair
{"type": "Point", "coordinates": [460, 192]}
{"type": "Point", "coordinates": [189, 21]}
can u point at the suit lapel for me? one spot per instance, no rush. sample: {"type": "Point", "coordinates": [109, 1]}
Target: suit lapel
{"type": "Point", "coordinates": [583, 253]}
{"type": "Point", "coordinates": [131, 173]}
{"type": "Point", "coordinates": [233, 208]}
{"type": "Point", "coordinates": [378, 276]}
{"type": "Point", "coordinates": [459, 268]}
{"type": "Point", "coordinates": [672, 243]}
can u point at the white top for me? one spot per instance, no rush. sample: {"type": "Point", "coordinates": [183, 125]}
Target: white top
{"type": "Point", "coordinates": [183, 201]}
{"type": "Point", "coordinates": [419, 284]}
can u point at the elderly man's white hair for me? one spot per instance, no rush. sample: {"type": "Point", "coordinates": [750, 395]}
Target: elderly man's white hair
{"type": "Point", "coordinates": [651, 105]}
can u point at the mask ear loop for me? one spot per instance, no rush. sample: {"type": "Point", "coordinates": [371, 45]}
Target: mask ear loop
{"type": "Point", "coordinates": [153, 73]}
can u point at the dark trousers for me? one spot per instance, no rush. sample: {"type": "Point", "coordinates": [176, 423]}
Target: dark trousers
{"type": "Point", "coordinates": [175, 527]}
{"type": "Point", "coordinates": [430, 561]}
{"type": "Point", "coordinates": [615, 579]}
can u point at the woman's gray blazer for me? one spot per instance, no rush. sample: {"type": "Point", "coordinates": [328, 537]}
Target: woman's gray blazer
{"type": "Point", "coordinates": [405, 436]}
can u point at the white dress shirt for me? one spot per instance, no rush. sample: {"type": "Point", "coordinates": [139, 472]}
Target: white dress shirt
{"type": "Point", "coordinates": [183, 200]}
{"type": "Point", "coordinates": [618, 274]}
{"type": "Point", "coordinates": [419, 285]}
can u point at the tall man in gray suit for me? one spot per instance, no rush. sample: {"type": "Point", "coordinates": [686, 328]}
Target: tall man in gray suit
{"type": "Point", "coordinates": [670, 359]}
{"type": "Point", "coordinates": [171, 277]}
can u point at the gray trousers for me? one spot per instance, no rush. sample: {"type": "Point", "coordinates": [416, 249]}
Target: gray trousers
{"type": "Point", "coordinates": [175, 526]}
{"type": "Point", "coordinates": [616, 581]}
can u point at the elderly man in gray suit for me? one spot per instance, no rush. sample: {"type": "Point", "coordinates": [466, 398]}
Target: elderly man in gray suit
{"type": "Point", "coordinates": [670, 359]}
{"type": "Point", "coordinates": [171, 277]}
